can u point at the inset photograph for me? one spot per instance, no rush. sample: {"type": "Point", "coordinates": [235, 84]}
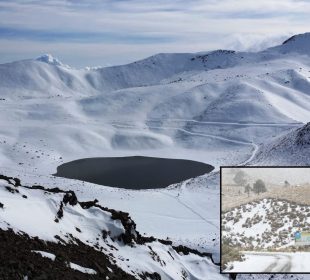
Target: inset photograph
{"type": "Point", "coordinates": [265, 219]}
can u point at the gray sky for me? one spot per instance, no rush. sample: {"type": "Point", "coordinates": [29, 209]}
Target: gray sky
{"type": "Point", "coordinates": [107, 32]}
{"type": "Point", "coordinates": [299, 175]}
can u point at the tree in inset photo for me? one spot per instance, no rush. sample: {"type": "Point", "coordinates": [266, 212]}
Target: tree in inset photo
{"type": "Point", "coordinates": [259, 186]}
{"type": "Point", "coordinates": [240, 178]}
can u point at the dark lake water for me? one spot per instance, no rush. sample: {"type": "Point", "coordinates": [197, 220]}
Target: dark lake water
{"type": "Point", "coordinates": [135, 172]}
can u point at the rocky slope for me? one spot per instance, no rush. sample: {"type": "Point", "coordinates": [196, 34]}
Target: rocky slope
{"type": "Point", "coordinates": [292, 148]}
{"type": "Point", "coordinates": [48, 232]}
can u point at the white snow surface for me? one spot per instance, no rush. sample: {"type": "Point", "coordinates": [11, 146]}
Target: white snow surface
{"type": "Point", "coordinates": [34, 212]}
{"type": "Point", "coordinates": [277, 262]}
{"type": "Point", "coordinates": [48, 58]}
{"type": "Point", "coordinates": [218, 107]}
{"type": "Point", "coordinates": [82, 269]}
{"type": "Point", "coordinates": [45, 254]}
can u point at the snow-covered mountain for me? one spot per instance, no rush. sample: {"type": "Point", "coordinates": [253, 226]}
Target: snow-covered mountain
{"type": "Point", "coordinates": [292, 148]}
{"type": "Point", "coordinates": [295, 44]}
{"type": "Point", "coordinates": [269, 86]}
{"type": "Point", "coordinates": [221, 107]}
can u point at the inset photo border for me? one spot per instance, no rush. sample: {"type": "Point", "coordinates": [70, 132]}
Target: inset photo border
{"type": "Point", "coordinates": [265, 219]}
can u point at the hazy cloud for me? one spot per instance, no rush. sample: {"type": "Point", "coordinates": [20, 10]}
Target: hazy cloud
{"type": "Point", "coordinates": [145, 26]}
{"type": "Point", "coordinates": [256, 42]}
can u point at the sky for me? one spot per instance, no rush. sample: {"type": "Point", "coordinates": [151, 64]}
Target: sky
{"type": "Point", "coordinates": [300, 175]}
{"type": "Point", "coordinates": [109, 32]}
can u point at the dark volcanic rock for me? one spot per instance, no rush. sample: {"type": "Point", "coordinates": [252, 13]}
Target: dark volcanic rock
{"type": "Point", "coordinates": [18, 260]}
{"type": "Point", "coordinates": [70, 198]}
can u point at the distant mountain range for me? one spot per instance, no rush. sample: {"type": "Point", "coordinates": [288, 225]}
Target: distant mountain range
{"type": "Point", "coordinates": [223, 85]}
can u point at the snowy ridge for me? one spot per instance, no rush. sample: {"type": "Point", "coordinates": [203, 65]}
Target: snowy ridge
{"type": "Point", "coordinates": [64, 219]}
{"type": "Point", "coordinates": [49, 59]}
{"type": "Point", "coordinates": [297, 43]}
{"type": "Point", "coordinates": [292, 148]}
{"type": "Point", "coordinates": [222, 85]}
{"type": "Point", "coordinates": [245, 90]}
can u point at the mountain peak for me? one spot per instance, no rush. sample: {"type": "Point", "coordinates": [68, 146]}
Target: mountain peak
{"type": "Point", "coordinates": [299, 44]}
{"type": "Point", "coordinates": [303, 38]}
{"type": "Point", "coordinates": [49, 59]}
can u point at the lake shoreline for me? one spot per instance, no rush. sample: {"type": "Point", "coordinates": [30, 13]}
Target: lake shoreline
{"type": "Point", "coordinates": [134, 172]}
